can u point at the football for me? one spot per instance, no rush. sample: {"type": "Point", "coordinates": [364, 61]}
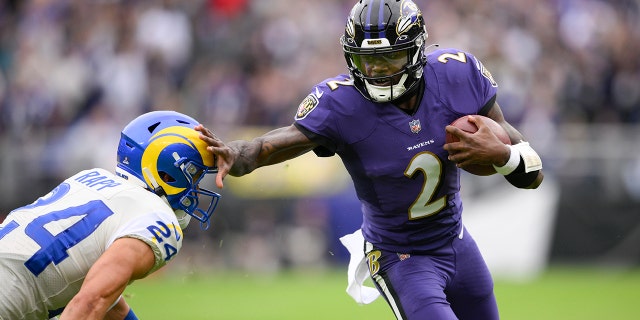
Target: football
{"type": "Point", "coordinates": [467, 126]}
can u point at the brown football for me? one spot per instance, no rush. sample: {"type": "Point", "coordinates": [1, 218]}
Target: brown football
{"type": "Point", "coordinates": [467, 126]}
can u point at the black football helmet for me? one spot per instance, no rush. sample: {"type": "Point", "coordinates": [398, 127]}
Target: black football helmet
{"type": "Point", "coordinates": [384, 43]}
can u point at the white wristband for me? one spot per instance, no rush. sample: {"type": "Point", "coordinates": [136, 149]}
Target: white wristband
{"type": "Point", "coordinates": [530, 157]}
{"type": "Point", "coordinates": [512, 164]}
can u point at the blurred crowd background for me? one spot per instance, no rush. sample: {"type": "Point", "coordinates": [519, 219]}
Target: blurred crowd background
{"type": "Point", "coordinates": [74, 72]}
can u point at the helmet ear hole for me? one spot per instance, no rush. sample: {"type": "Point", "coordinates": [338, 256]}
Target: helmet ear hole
{"type": "Point", "coordinates": [166, 177]}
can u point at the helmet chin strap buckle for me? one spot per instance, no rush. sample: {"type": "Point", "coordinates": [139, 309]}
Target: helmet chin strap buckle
{"type": "Point", "coordinates": [157, 189]}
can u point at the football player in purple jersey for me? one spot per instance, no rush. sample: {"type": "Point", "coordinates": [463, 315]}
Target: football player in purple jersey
{"type": "Point", "coordinates": [387, 120]}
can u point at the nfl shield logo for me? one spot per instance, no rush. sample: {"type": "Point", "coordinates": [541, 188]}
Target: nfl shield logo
{"type": "Point", "coordinates": [415, 126]}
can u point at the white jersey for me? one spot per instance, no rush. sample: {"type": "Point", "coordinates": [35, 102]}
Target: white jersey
{"type": "Point", "coordinates": [47, 247]}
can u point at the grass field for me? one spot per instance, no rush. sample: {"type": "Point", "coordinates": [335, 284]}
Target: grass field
{"type": "Point", "coordinates": [561, 293]}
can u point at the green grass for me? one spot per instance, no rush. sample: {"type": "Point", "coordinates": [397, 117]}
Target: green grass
{"type": "Point", "coordinates": [561, 293]}
{"type": "Point", "coordinates": [237, 297]}
{"type": "Point", "coordinates": [573, 294]}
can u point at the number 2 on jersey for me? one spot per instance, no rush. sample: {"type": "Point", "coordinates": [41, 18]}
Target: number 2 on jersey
{"type": "Point", "coordinates": [431, 168]}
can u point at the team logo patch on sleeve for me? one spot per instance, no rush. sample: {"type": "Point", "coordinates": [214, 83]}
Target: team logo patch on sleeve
{"type": "Point", "coordinates": [306, 106]}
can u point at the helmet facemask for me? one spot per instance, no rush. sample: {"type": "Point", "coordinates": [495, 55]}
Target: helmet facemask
{"type": "Point", "coordinates": [188, 201]}
{"type": "Point", "coordinates": [386, 72]}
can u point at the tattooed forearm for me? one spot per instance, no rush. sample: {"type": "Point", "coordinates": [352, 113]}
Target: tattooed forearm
{"type": "Point", "coordinates": [273, 147]}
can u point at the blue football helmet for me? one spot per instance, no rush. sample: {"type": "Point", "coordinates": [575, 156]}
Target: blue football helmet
{"type": "Point", "coordinates": [161, 151]}
{"type": "Point", "coordinates": [384, 43]}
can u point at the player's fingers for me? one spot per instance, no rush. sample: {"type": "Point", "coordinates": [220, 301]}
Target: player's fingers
{"type": "Point", "coordinates": [453, 147]}
{"type": "Point", "coordinates": [205, 133]}
{"type": "Point", "coordinates": [224, 161]}
{"type": "Point", "coordinates": [456, 145]}
{"type": "Point", "coordinates": [223, 170]}
{"type": "Point", "coordinates": [211, 139]}
{"type": "Point", "coordinates": [456, 159]}
{"type": "Point", "coordinates": [463, 163]}
{"type": "Point", "coordinates": [460, 160]}
{"type": "Point", "coordinates": [219, 153]}
{"type": "Point", "coordinates": [451, 129]}
{"type": "Point", "coordinates": [478, 121]}
{"type": "Point", "coordinates": [219, 178]}
{"type": "Point", "coordinates": [456, 131]}
{"type": "Point", "coordinates": [454, 155]}
{"type": "Point", "coordinates": [202, 129]}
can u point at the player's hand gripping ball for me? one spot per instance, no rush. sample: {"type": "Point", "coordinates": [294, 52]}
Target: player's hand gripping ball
{"type": "Point", "coordinates": [465, 125]}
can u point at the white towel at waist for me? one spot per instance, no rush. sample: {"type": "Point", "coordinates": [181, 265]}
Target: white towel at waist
{"type": "Point", "coordinates": [358, 270]}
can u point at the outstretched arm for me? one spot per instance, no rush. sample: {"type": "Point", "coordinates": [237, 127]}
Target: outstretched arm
{"type": "Point", "coordinates": [126, 259]}
{"type": "Point", "coordinates": [241, 157]}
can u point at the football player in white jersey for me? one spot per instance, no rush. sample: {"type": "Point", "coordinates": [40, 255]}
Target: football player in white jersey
{"type": "Point", "coordinates": [73, 251]}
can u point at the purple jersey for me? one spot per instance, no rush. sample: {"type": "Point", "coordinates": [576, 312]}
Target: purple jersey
{"type": "Point", "coordinates": [408, 189]}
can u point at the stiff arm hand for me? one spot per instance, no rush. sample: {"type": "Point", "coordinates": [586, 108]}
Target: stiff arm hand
{"type": "Point", "coordinates": [225, 157]}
